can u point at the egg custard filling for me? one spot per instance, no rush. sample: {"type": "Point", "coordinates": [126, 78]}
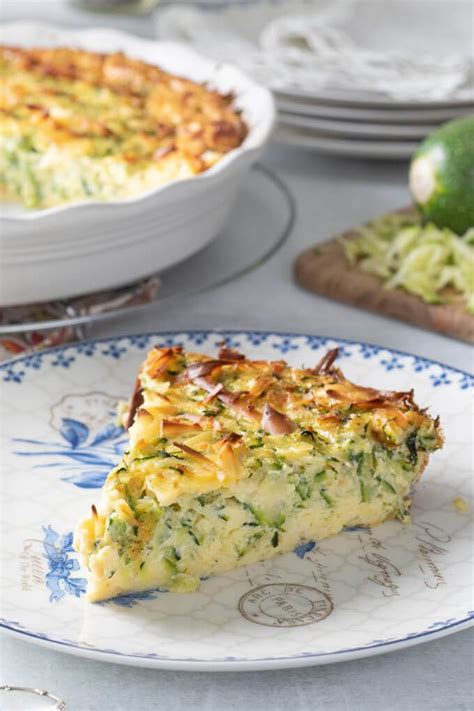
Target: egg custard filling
{"type": "Point", "coordinates": [233, 461]}
{"type": "Point", "coordinates": [77, 125]}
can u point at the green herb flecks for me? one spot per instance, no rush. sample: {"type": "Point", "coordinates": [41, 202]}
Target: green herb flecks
{"type": "Point", "coordinates": [303, 489]}
{"type": "Point", "coordinates": [326, 497]}
{"type": "Point", "coordinates": [412, 448]}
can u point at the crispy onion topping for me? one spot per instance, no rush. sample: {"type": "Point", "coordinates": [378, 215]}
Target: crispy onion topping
{"type": "Point", "coordinates": [324, 367]}
{"type": "Point", "coordinates": [197, 455]}
{"type": "Point", "coordinates": [276, 422]}
{"type": "Point", "coordinates": [226, 353]}
{"type": "Point", "coordinates": [136, 401]}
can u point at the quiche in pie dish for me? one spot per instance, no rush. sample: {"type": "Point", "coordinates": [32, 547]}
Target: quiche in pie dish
{"type": "Point", "coordinates": [233, 461]}
{"type": "Point", "coordinates": [78, 125]}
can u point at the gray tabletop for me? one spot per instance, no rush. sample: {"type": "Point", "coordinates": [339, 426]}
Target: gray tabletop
{"type": "Point", "coordinates": [331, 195]}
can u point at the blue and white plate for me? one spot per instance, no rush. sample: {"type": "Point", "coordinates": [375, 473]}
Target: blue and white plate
{"type": "Point", "coordinates": [360, 593]}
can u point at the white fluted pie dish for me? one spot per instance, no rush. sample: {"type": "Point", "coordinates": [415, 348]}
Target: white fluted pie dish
{"type": "Point", "coordinates": [81, 247]}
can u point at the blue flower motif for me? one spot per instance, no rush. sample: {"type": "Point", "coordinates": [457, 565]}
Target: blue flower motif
{"type": "Point", "coordinates": [315, 342]}
{"type": "Point", "coordinates": [139, 341]}
{"type": "Point", "coordinates": [198, 337]}
{"type": "Point", "coordinates": [392, 363]}
{"type": "Point", "coordinates": [13, 376]}
{"type": "Point", "coordinates": [88, 349]}
{"type": "Point", "coordinates": [304, 548]}
{"type": "Point", "coordinates": [344, 351]}
{"type": "Point", "coordinates": [33, 361]}
{"type": "Point", "coordinates": [133, 599]}
{"type": "Point", "coordinates": [256, 339]}
{"type": "Point", "coordinates": [420, 364]}
{"type": "Point", "coordinates": [74, 432]}
{"type": "Point", "coordinates": [59, 579]}
{"type": "Point", "coordinates": [285, 345]}
{"type": "Point", "coordinates": [91, 459]}
{"type": "Point", "coordinates": [467, 381]}
{"type": "Point", "coordinates": [441, 379]}
{"type": "Point", "coordinates": [62, 360]}
{"type": "Point", "coordinates": [367, 351]}
{"type": "Point", "coordinates": [59, 553]}
{"type": "Point", "coordinates": [114, 351]}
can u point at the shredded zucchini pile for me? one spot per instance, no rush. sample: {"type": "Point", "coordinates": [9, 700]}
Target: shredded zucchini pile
{"type": "Point", "coordinates": [435, 264]}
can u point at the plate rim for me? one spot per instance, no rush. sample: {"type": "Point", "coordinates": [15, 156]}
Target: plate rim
{"type": "Point", "coordinates": [238, 665]}
{"type": "Point", "coordinates": [231, 332]}
{"type": "Point", "coordinates": [343, 113]}
{"type": "Point", "coordinates": [302, 659]}
{"type": "Point", "coordinates": [349, 147]}
{"type": "Point", "coordinates": [354, 129]}
{"type": "Point", "coordinates": [364, 101]}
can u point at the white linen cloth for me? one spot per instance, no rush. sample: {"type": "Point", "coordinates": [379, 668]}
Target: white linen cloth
{"type": "Point", "coordinates": [420, 50]}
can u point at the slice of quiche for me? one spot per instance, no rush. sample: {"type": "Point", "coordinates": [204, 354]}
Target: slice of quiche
{"type": "Point", "coordinates": [233, 461]}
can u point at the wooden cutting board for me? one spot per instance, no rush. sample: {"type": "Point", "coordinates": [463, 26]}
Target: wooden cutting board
{"type": "Point", "coordinates": [325, 270]}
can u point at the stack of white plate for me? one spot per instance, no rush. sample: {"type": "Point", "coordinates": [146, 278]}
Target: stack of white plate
{"type": "Point", "coordinates": [362, 78]}
{"type": "Point", "coordinates": [358, 125]}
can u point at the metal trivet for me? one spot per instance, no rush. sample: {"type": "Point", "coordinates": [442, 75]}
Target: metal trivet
{"type": "Point", "coordinates": [29, 327]}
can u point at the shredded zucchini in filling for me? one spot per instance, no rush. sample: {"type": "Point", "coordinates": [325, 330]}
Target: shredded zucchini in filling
{"type": "Point", "coordinates": [232, 461]}
{"type": "Point", "coordinates": [435, 264]}
{"type": "Point", "coordinates": [77, 125]}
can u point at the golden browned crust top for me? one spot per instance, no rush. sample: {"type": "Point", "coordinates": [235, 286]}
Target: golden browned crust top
{"type": "Point", "coordinates": [272, 397]}
{"type": "Point", "coordinates": [113, 104]}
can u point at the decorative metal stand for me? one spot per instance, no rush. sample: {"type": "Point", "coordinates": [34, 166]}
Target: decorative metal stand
{"type": "Point", "coordinates": [259, 224]}
{"type": "Point", "coordinates": [58, 704]}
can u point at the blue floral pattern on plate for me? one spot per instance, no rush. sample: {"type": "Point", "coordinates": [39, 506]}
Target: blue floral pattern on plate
{"type": "Point", "coordinates": [304, 548]}
{"type": "Point", "coordinates": [81, 448]}
{"type": "Point", "coordinates": [116, 348]}
{"type": "Point", "coordinates": [89, 462]}
{"type": "Point", "coordinates": [62, 562]}
{"type": "Point", "coordinates": [61, 565]}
